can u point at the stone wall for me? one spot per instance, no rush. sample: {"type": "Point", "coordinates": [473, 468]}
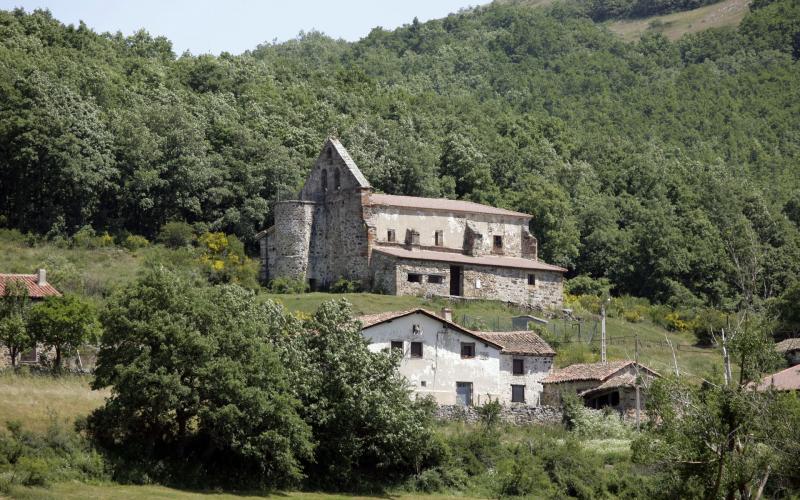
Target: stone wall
{"type": "Point", "coordinates": [513, 414]}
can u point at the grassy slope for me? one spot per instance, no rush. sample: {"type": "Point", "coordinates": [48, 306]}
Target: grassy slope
{"type": "Point", "coordinates": [675, 25]}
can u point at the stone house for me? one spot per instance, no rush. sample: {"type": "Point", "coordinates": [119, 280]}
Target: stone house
{"type": "Point", "coordinates": [600, 385]}
{"type": "Point", "coordinates": [458, 366]}
{"type": "Point", "coordinates": [403, 245]}
{"type": "Point", "coordinates": [38, 289]}
{"type": "Point", "coordinates": [790, 349]}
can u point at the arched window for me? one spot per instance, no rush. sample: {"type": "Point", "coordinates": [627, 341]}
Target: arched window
{"type": "Point", "coordinates": [324, 180]}
{"type": "Point", "coordinates": [337, 179]}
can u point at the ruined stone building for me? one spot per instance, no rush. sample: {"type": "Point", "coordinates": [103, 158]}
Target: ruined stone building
{"type": "Point", "coordinates": [403, 245]}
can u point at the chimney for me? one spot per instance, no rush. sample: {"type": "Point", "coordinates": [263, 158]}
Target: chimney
{"type": "Point", "coordinates": [41, 277]}
{"type": "Point", "coordinates": [447, 314]}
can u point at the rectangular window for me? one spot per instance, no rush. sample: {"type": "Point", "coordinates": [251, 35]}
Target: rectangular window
{"type": "Point", "coordinates": [519, 367]}
{"type": "Point", "coordinates": [498, 242]}
{"type": "Point", "coordinates": [416, 349]}
{"type": "Point", "coordinates": [531, 279]}
{"type": "Point", "coordinates": [397, 345]}
{"type": "Point", "coordinates": [468, 350]}
{"type": "Point", "coordinates": [438, 238]}
{"type": "Point", "coordinates": [414, 278]}
{"type": "Point", "coordinates": [412, 237]}
{"type": "Point", "coordinates": [517, 393]}
{"type": "Point", "coordinates": [390, 237]}
{"type": "Point", "coordinates": [435, 278]}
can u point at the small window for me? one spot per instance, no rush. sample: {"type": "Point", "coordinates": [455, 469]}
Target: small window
{"type": "Point", "coordinates": [423, 383]}
{"type": "Point", "coordinates": [519, 367]}
{"type": "Point", "coordinates": [412, 237]}
{"type": "Point", "coordinates": [337, 179]}
{"type": "Point", "coordinates": [414, 278]}
{"type": "Point", "coordinates": [416, 349]}
{"type": "Point", "coordinates": [397, 345]}
{"type": "Point", "coordinates": [498, 242]}
{"type": "Point", "coordinates": [324, 179]}
{"type": "Point", "coordinates": [390, 237]}
{"type": "Point", "coordinates": [531, 279]}
{"type": "Point", "coordinates": [468, 350]}
{"type": "Point", "coordinates": [438, 238]}
{"type": "Point", "coordinates": [436, 279]}
{"type": "Point", "coordinates": [517, 393]}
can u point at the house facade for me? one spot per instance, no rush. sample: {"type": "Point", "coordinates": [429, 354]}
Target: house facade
{"type": "Point", "coordinates": [600, 385]}
{"type": "Point", "coordinates": [403, 245]}
{"type": "Point", "coordinates": [37, 289]}
{"type": "Point", "coordinates": [457, 366]}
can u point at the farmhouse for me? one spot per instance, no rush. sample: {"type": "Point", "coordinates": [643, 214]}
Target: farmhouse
{"type": "Point", "coordinates": [403, 245]}
{"type": "Point", "coordinates": [600, 385]}
{"type": "Point", "coordinates": [459, 366]}
{"type": "Point", "coordinates": [37, 288]}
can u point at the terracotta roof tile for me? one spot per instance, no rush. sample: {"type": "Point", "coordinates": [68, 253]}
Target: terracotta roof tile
{"type": "Point", "coordinates": [590, 371]}
{"type": "Point", "coordinates": [520, 342]}
{"type": "Point", "coordinates": [31, 281]}
{"type": "Point", "coordinates": [458, 258]}
{"type": "Point", "coordinates": [442, 204]}
{"type": "Point", "coordinates": [784, 380]}
{"type": "Point", "coordinates": [788, 345]}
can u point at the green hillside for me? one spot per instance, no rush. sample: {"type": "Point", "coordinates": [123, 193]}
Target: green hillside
{"type": "Point", "coordinates": [728, 13]}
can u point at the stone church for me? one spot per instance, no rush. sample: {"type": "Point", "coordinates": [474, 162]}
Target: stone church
{"type": "Point", "coordinates": [403, 245]}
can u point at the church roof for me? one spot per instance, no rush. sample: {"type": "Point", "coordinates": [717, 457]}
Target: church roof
{"type": "Point", "coordinates": [441, 204]}
{"type": "Point", "coordinates": [458, 258]}
{"type": "Point", "coordinates": [348, 161]}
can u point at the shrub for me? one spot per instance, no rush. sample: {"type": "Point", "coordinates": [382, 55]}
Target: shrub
{"type": "Point", "coordinates": [135, 242]}
{"type": "Point", "coordinates": [343, 285]}
{"type": "Point", "coordinates": [633, 316]}
{"type": "Point", "coordinates": [490, 413]}
{"type": "Point", "coordinates": [587, 423]}
{"type": "Point", "coordinates": [586, 285]}
{"type": "Point", "coordinates": [224, 260]}
{"type": "Point", "coordinates": [176, 234]}
{"type": "Point", "coordinates": [287, 285]}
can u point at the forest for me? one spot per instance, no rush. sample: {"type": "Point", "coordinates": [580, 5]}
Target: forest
{"type": "Point", "coordinates": [667, 168]}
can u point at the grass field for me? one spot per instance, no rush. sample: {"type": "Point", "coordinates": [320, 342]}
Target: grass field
{"type": "Point", "coordinates": [112, 491]}
{"type": "Point", "coordinates": [677, 24]}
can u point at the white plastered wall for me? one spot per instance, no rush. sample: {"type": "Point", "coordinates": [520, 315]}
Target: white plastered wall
{"type": "Point", "coordinates": [441, 365]}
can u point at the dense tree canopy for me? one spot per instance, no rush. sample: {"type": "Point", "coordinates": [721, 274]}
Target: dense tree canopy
{"type": "Point", "coordinates": [668, 167]}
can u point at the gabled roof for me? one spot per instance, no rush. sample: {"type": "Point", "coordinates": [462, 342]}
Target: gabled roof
{"type": "Point", "coordinates": [592, 371]}
{"type": "Point", "coordinates": [348, 161]}
{"type": "Point", "coordinates": [371, 320]}
{"type": "Point", "coordinates": [788, 345]}
{"type": "Point", "coordinates": [31, 282]}
{"type": "Point", "coordinates": [524, 342]}
{"type": "Point", "coordinates": [441, 204]}
{"type": "Point", "coordinates": [784, 380]}
{"type": "Point", "coordinates": [459, 258]}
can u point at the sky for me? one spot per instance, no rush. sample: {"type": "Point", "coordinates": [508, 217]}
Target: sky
{"type": "Point", "coordinates": [206, 26]}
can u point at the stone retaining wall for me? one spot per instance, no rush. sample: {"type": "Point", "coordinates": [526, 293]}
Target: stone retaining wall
{"type": "Point", "coordinates": [514, 414]}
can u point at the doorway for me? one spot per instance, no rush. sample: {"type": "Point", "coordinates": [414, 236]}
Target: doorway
{"type": "Point", "coordinates": [456, 279]}
{"type": "Point", "coordinates": [464, 393]}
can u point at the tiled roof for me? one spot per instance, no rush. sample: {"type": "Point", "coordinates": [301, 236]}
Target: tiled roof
{"type": "Point", "coordinates": [374, 319]}
{"type": "Point", "coordinates": [784, 380]}
{"type": "Point", "coordinates": [458, 258]}
{"type": "Point", "coordinates": [442, 204]}
{"type": "Point", "coordinates": [31, 281]}
{"type": "Point", "coordinates": [621, 380]}
{"type": "Point", "coordinates": [788, 345]}
{"type": "Point", "coordinates": [591, 371]}
{"type": "Point", "coordinates": [348, 161]}
{"type": "Point", "coordinates": [521, 342]}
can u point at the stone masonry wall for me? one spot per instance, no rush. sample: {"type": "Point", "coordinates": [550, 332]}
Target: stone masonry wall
{"type": "Point", "coordinates": [513, 414]}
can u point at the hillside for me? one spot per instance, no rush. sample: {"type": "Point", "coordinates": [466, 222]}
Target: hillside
{"type": "Point", "coordinates": [728, 13]}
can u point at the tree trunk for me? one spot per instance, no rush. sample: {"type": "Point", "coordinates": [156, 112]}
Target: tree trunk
{"type": "Point", "coordinates": [57, 366]}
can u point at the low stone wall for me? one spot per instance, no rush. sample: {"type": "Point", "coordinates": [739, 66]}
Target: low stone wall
{"type": "Point", "coordinates": [514, 414]}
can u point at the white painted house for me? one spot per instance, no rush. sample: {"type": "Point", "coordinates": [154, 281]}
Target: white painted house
{"type": "Point", "coordinates": [459, 366]}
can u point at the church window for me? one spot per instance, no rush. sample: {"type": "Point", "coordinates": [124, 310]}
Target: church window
{"type": "Point", "coordinates": [337, 179]}
{"type": "Point", "coordinates": [324, 179]}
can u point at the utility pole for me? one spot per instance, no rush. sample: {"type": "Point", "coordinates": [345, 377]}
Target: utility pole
{"type": "Point", "coordinates": [603, 332]}
{"type": "Point", "coordinates": [638, 399]}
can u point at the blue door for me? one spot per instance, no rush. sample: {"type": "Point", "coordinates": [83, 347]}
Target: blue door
{"type": "Point", "coordinates": [464, 393]}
